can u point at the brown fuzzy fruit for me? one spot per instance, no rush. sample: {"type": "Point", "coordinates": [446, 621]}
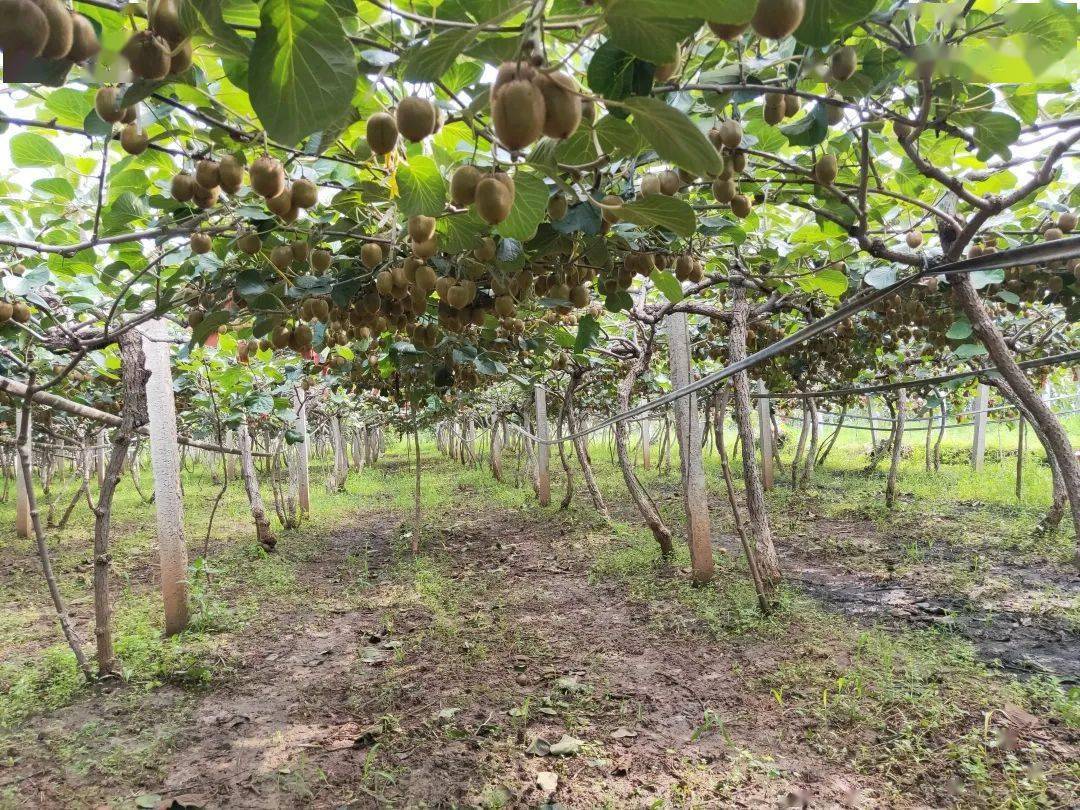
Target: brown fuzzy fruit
{"type": "Point", "coordinates": [649, 185]}
{"type": "Point", "coordinates": [727, 31]}
{"type": "Point", "coordinates": [205, 197]}
{"type": "Point", "coordinates": [182, 57]}
{"type": "Point", "coordinates": [486, 250]}
{"type": "Point", "coordinates": [510, 72]}
{"type": "Point", "coordinates": [371, 255]}
{"type": "Point", "coordinates": [131, 115]}
{"type": "Point", "coordinates": [133, 140]}
{"type": "Point", "coordinates": [730, 133]}
{"type": "Point", "coordinates": [740, 205]}
{"type": "Point", "coordinates": [792, 104]}
{"type": "Point", "coordinates": [493, 200]}
{"type": "Point", "coordinates": [282, 203]}
{"type": "Point", "coordinates": [670, 182]}
{"type": "Point", "coordinates": [557, 207]}
{"type": "Point", "coordinates": [183, 187]}
{"type": "Point", "coordinates": [84, 40]}
{"type": "Point", "coordinates": [1067, 221]}
{"type": "Point", "coordinates": [724, 190]}
{"type": "Point", "coordinates": [165, 20]}
{"type": "Point", "coordinates": [304, 193]}
{"type": "Point", "coordinates": [463, 185]}
{"type": "Point", "coordinates": [844, 63]}
{"type": "Point", "coordinates": [825, 169]}
{"type": "Point", "coordinates": [427, 248]}
{"type": "Point", "coordinates": [148, 55]}
{"type": "Point", "coordinates": [914, 239]}
{"type": "Point", "coordinates": [321, 260]}
{"type": "Point", "coordinates": [611, 201]}
{"type": "Point", "coordinates": [1051, 234]}
{"type": "Point", "coordinates": [230, 174]}
{"type": "Point", "coordinates": [5, 311]}
{"type": "Point", "coordinates": [281, 256]}
{"type": "Point", "coordinates": [562, 107]}
{"type": "Point", "coordinates": [267, 176]}
{"type": "Point", "coordinates": [20, 312]}
{"type": "Point", "coordinates": [774, 111]}
{"type": "Point", "coordinates": [200, 243]}
{"type": "Point", "coordinates": [25, 28]}
{"type": "Point", "coordinates": [382, 133]}
{"type": "Point", "coordinates": [301, 250]}
{"type": "Point", "coordinates": [107, 104]}
{"type": "Point", "coordinates": [60, 28]}
{"type": "Point", "coordinates": [518, 112]}
{"type": "Point", "coordinates": [776, 19]}
{"type": "Point", "coordinates": [250, 243]}
{"type": "Point", "coordinates": [415, 118]}
{"type": "Point", "coordinates": [421, 228]}
{"type": "Point", "coordinates": [207, 174]}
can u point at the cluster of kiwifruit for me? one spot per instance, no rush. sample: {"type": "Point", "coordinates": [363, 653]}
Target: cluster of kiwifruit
{"type": "Point", "coordinates": [528, 101]}
{"type": "Point", "coordinates": [414, 118]}
{"type": "Point", "coordinates": [667, 182]}
{"type": "Point", "coordinates": [491, 194]}
{"type": "Point", "coordinates": [772, 19]}
{"type": "Point", "coordinates": [1066, 221]}
{"type": "Point", "coordinates": [161, 50]}
{"type": "Point", "coordinates": [18, 311]}
{"type": "Point", "coordinates": [210, 179]}
{"type": "Point", "coordinates": [46, 28]}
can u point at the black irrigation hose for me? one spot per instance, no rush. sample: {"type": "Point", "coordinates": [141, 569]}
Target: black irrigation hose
{"type": "Point", "coordinates": [1054, 250]}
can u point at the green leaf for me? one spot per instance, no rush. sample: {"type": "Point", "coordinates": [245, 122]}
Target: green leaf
{"type": "Point", "coordinates": [530, 206]}
{"type": "Point", "coordinates": [994, 132]}
{"type": "Point", "coordinates": [653, 38]}
{"type": "Point", "coordinates": [673, 135]}
{"type": "Point", "coordinates": [209, 324]}
{"type": "Point", "coordinates": [826, 20]}
{"type": "Point", "coordinates": [615, 74]}
{"type": "Point", "coordinates": [587, 332]}
{"type": "Point", "coordinates": [880, 277]}
{"type": "Point", "coordinates": [422, 187]}
{"type": "Point", "coordinates": [830, 281]}
{"type": "Point", "coordinates": [207, 16]}
{"type": "Point", "coordinates": [959, 330]}
{"type": "Point", "coordinates": [426, 63]}
{"type": "Point", "coordinates": [30, 150]}
{"type": "Point", "coordinates": [617, 137]}
{"type": "Point", "coordinates": [662, 212]}
{"type": "Point", "coordinates": [69, 105]}
{"type": "Point", "coordinates": [668, 285]}
{"type": "Point", "coordinates": [460, 232]}
{"type": "Point", "coordinates": [725, 11]}
{"type": "Point", "coordinates": [968, 350]}
{"type": "Point", "coordinates": [302, 73]}
{"type": "Point", "coordinates": [810, 130]}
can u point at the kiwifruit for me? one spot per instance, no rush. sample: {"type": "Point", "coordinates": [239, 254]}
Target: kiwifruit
{"type": "Point", "coordinates": [304, 193]}
{"type": "Point", "coordinates": [205, 197]}
{"type": "Point", "coordinates": [230, 174]}
{"type": "Point", "coordinates": [504, 306]}
{"type": "Point", "coordinates": [320, 309]}
{"type": "Point", "coordinates": [792, 104]}
{"type": "Point", "coordinates": [425, 278]}
{"type": "Point", "coordinates": [776, 19]}
{"type": "Point", "coordinates": [773, 112]}
{"type": "Point", "coordinates": [610, 201]}
{"type": "Point", "coordinates": [290, 216]}
{"type": "Point", "coordinates": [509, 72]}
{"type": "Point", "coordinates": [427, 248]}
{"type": "Point", "coordinates": [200, 243]}
{"type": "Point", "coordinates": [723, 190]}
{"type": "Point", "coordinates": [282, 203]}
{"type": "Point", "coordinates": [1052, 233]}
{"type": "Point", "coordinates": [834, 113]}
{"type": "Point", "coordinates": [844, 63]}
{"type": "Point", "coordinates": [518, 113]}
{"type": "Point", "coordinates": [148, 55]}
{"type": "Point", "coordinates": [421, 227]}
{"type": "Point", "coordinates": [20, 312]}
{"type": "Point", "coordinates": [371, 255]}
{"type": "Point", "coordinates": [463, 185]}
{"type": "Point", "coordinates": [382, 133]}
{"type": "Point", "coordinates": [280, 336]}
{"type": "Point", "coordinates": [384, 283]}
{"type": "Point", "coordinates": [133, 140]}
{"type": "Point", "coordinates": [730, 133]}
{"type": "Point", "coordinates": [131, 115]}
{"type": "Point", "coordinates": [181, 58]}
{"type": "Point", "coordinates": [60, 36]}
{"type": "Point", "coordinates": [825, 169]}
{"type": "Point", "coordinates": [1067, 221]}
{"type": "Point", "coordinates": [6, 310]}
{"type": "Point", "coordinates": [670, 182]}
{"type": "Point", "coordinates": [281, 256]}
{"type": "Point", "coordinates": [183, 187]}
{"type": "Point", "coordinates": [485, 251]}
{"type": "Point", "coordinates": [165, 20]}
{"type": "Point", "coordinates": [267, 176]}
{"type": "Point", "coordinates": [107, 104]}
{"type": "Point", "coordinates": [684, 266]}
{"type": "Point", "coordinates": [740, 205]}
{"type": "Point", "coordinates": [301, 336]}
{"type": "Point", "coordinates": [557, 206]}
{"type": "Point", "coordinates": [728, 31]}
{"type": "Point", "coordinates": [25, 28]}
{"type": "Point", "coordinates": [207, 174]}
{"type": "Point", "coordinates": [84, 39]}
{"type": "Point", "coordinates": [301, 250]}
{"type": "Point", "coordinates": [321, 260]}
{"type": "Point", "coordinates": [415, 118]}
{"type": "Point", "coordinates": [579, 296]}
{"type": "Point", "coordinates": [562, 110]}
{"type": "Point", "coordinates": [458, 296]}
{"type": "Point", "coordinates": [493, 200]}
{"type": "Point", "coordinates": [250, 243]}
{"type": "Point", "coordinates": [649, 185]}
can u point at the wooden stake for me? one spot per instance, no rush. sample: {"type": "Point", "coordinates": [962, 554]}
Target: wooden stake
{"type": "Point", "coordinates": [765, 438]}
{"type": "Point", "coordinates": [303, 475]}
{"type": "Point", "coordinates": [978, 445]}
{"type": "Point", "coordinates": [543, 451]}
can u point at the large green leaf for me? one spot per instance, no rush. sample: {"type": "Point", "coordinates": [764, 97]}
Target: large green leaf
{"type": "Point", "coordinates": [994, 132]}
{"type": "Point", "coordinates": [831, 281]}
{"type": "Point", "coordinates": [826, 20]}
{"type": "Point", "coordinates": [725, 11]}
{"type": "Point", "coordinates": [673, 135]}
{"type": "Point", "coordinates": [668, 285]}
{"type": "Point", "coordinates": [30, 150]}
{"type": "Point", "coordinates": [302, 74]}
{"type": "Point", "coordinates": [206, 16]}
{"type": "Point", "coordinates": [810, 130]}
{"type": "Point", "coordinates": [422, 187]}
{"type": "Point", "coordinates": [428, 62]}
{"type": "Point", "coordinates": [529, 208]}
{"type": "Point", "coordinates": [654, 38]}
{"type": "Point", "coordinates": [615, 74]}
{"type": "Point", "coordinates": [662, 212]}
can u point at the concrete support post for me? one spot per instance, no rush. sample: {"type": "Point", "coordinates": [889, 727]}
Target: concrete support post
{"type": "Point", "coordinates": [765, 438]}
{"type": "Point", "coordinates": [978, 442]}
{"type": "Point", "coordinates": [543, 451]}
